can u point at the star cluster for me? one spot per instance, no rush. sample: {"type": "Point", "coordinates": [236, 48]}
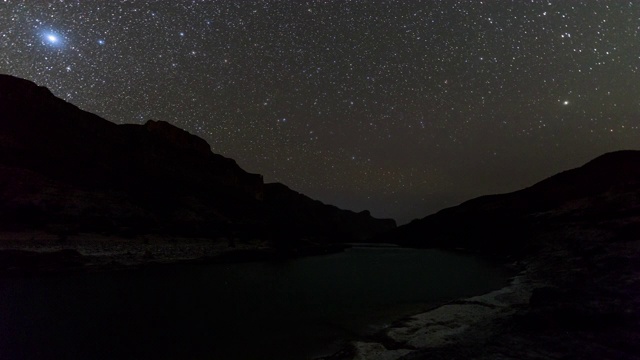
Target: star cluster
{"type": "Point", "coordinates": [398, 106]}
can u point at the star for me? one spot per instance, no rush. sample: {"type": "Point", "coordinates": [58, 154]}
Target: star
{"type": "Point", "coordinates": [52, 39]}
{"type": "Point", "coordinates": [418, 103]}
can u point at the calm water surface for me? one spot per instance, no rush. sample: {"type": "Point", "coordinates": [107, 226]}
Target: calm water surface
{"type": "Point", "coordinates": [286, 310]}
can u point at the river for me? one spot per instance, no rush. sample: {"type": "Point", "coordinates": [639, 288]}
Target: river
{"type": "Point", "coordinates": [294, 309]}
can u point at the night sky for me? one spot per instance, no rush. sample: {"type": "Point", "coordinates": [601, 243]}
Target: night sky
{"type": "Point", "coordinates": [400, 107]}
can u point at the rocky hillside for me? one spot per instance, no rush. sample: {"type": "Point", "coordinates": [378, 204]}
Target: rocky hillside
{"type": "Point", "coordinates": [574, 242]}
{"type": "Point", "coordinates": [304, 214]}
{"type": "Point", "coordinates": [603, 195]}
{"type": "Point", "coordinates": [63, 169]}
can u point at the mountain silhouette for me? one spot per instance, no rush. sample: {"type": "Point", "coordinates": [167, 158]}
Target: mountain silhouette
{"type": "Point", "coordinates": [602, 195]}
{"type": "Point", "coordinates": [63, 169]}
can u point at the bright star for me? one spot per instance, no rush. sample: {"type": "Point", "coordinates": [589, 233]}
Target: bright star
{"type": "Point", "coordinates": [566, 102]}
{"type": "Point", "coordinates": [52, 39]}
{"type": "Point", "coordinates": [101, 42]}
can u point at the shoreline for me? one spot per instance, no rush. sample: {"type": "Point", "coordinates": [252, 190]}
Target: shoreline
{"type": "Point", "coordinates": [336, 328]}
{"type": "Point", "coordinates": [569, 298]}
{"type": "Point", "coordinates": [39, 253]}
{"type": "Point", "coordinates": [443, 324]}
{"type": "Point", "coordinates": [577, 297]}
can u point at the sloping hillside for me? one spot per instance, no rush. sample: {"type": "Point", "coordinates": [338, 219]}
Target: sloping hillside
{"type": "Point", "coordinates": [66, 170]}
{"type": "Point", "coordinates": [605, 189]}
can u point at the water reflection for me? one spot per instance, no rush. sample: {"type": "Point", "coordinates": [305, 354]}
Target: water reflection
{"type": "Point", "coordinates": [283, 310]}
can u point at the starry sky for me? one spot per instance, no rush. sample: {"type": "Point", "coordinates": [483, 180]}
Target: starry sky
{"type": "Point", "coordinates": [401, 107]}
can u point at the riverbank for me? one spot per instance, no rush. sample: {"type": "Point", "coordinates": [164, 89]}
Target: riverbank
{"type": "Point", "coordinates": [41, 252]}
{"type": "Point", "coordinates": [446, 325]}
{"type": "Point", "coordinates": [289, 310]}
{"type": "Point", "coordinates": [578, 296]}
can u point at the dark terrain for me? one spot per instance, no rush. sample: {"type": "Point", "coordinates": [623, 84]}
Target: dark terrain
{"type": "Point", "coordinates": [68, 173]}
{"type": "Point", "coordinates": [601, 195]}
{"type": "Point", "coordinates": [574, 238]}
{"type": "Point", "coordinates": [139, 193]}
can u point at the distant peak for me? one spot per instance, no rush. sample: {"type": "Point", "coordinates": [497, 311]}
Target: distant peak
{"type": "Point", "coordinates": [14, 79]}
{"type": "Point", "coordinates": [177, 136]}
{"type": "Point", "coordinates": [11, 84]}
{"type": "Point", "coordinates": [620, 156]}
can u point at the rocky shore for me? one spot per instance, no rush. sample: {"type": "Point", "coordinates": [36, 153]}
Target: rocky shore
{"type": "Point", "coordinates": [576, 298]}
{"type": "Point", "coordinates": [575, 239]}
{"type": "Point", "coordinates": [38, 252]}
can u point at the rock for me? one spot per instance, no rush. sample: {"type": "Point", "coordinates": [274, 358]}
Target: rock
{"type": "Point", "coordinates": [374, 351]}
{"type": "Point", "coordinates": [546, 296]}
{"type": "Point", "coordinates": [178, 137]}
{"type": "Point", "coordinates": [32, 261]}
{"type": "Point", "coordinates": [516, 223]}
{"type": "Point", "coordinates": [61, 167]}
{"type": "Point", "coordinates": [299, 214]}
{"type": "Point", "coordinates": [576, 238]}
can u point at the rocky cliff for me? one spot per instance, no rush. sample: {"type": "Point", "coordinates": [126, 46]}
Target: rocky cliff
{"type": "Point", "coordinates": [574, 242]}
{"type": "Point", "coordinates": [303, 213]}
{"type": "Point", "coordinates": [604, 195]}
{"type": "Point", "coordinates": [64, 169]}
